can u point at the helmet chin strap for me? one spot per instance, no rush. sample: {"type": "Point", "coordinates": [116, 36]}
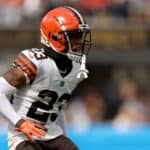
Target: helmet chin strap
{"type": "Point", "coordinates": [83, 72]}
{"type": "Point", "coordinates": [73, 57]}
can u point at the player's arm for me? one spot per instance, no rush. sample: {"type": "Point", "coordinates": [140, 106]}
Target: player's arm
{"type": "Point", "coordinates": [9, 83]}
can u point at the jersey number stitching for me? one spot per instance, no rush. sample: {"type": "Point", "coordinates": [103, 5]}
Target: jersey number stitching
{"type": "Point", "coordinates": [53, 103]}
{"type": "Point", "coordinates": [38, 53]}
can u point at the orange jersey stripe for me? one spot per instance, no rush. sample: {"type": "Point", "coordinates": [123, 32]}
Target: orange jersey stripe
{"type": "Point", "coordinates": [28, 63]}
{"type": "Point", "coordinates": [27, 66]}
{"type": "Point", "coordinates": [25, 69]}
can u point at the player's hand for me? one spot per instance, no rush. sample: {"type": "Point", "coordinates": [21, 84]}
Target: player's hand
{"type": "Point", "coordinates": [30, 129]}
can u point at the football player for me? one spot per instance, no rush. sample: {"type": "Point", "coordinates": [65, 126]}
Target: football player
{"type": "Point", "coordinates": [41, 82]}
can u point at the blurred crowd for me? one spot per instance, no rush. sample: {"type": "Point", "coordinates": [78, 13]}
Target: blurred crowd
{"type": "Point", "coordinates": [128, 108]}
{"type": "Point", "coordinates": [101, 13]}
{"type": "Point", "coordinates": [128, 103]}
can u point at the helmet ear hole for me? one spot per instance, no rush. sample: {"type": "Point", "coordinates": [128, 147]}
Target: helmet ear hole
{"type": "Point", "coordinates": [56, 37]}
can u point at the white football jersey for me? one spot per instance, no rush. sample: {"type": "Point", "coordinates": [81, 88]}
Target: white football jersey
{"type": "Point", "coordinates": [46, 91]}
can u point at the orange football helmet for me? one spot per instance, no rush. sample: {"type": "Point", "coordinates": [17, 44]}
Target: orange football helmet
{"type": "Point", "coordinates": [65, 31]}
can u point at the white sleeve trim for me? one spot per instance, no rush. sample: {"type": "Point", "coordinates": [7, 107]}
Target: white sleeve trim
{"type": "Point", "coordinates": [26, 76]}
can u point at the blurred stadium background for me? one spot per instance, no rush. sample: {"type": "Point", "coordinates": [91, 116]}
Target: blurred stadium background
{"type": "Point", "coordinates": [111, 109]}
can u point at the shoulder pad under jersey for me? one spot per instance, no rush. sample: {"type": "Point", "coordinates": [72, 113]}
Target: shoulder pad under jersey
{"type": "Point", "coordinates": [27, 61]}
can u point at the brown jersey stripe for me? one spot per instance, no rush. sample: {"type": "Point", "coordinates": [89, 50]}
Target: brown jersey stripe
{"type": "Point", "coordinates": [26, 61]}
{"type": "Point", "coordinates": [23, 64]}
{"type": "Point", "coordinates": [25, 68]}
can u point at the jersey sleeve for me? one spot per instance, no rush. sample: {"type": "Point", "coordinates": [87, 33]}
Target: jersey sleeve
{"type": "Point", "coordinates": [25, 62]}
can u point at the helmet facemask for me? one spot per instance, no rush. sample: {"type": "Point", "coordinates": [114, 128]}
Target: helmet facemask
{"type": "Point", "coordinates": [78, 42]}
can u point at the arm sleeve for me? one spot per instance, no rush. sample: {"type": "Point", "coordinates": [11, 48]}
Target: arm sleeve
{"type": "Point", "coordinates": [5, 106]}
{"type": "Point", "coordinates": [62, 122]}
